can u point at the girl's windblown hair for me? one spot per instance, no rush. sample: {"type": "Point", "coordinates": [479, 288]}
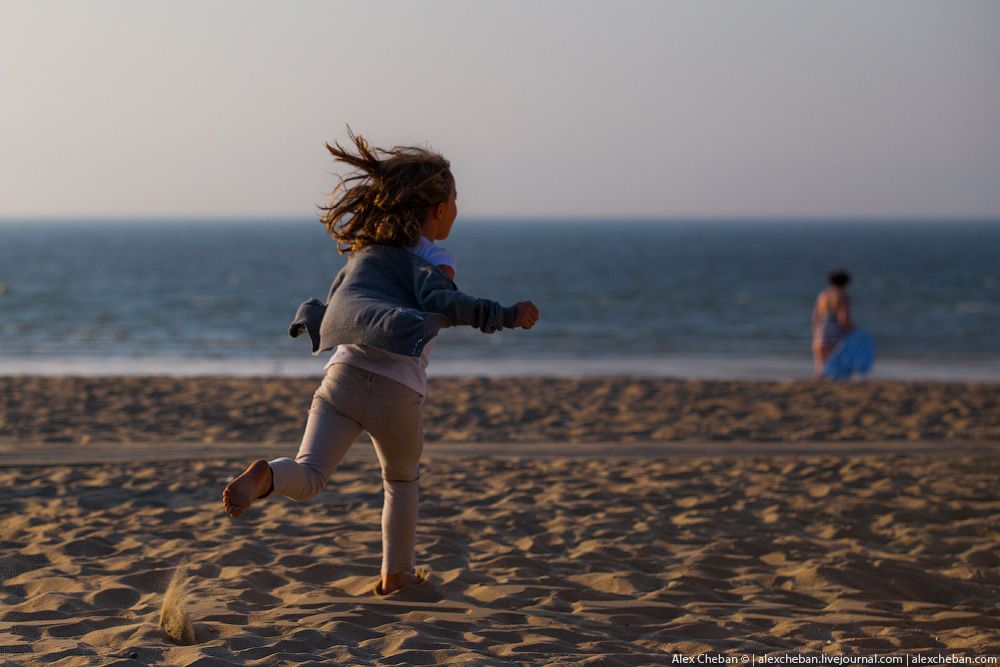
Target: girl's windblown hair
{"type": "Point", "coordinates": [388, 196]}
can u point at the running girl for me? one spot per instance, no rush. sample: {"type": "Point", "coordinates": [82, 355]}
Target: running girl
{"type": "Point", "coordinates": [384, 309]}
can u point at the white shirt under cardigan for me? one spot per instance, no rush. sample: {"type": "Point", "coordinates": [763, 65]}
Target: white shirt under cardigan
{"type": "Point", "coordinates": [410, 371]}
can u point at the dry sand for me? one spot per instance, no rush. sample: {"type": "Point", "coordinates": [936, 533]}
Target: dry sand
{"type": "Point", "coordinates": [616, 552]}
{"type": "Point", "coordinates": [272, 410]}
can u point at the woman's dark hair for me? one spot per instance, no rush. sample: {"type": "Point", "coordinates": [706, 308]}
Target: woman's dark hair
{"type": "Point", "coordinates": [839, 278]}
{"type": "Point", "coordinates": [388, 196]}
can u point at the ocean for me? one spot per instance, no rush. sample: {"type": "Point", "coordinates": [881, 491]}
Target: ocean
{"type": "Point", "coordinates": [698, 298]}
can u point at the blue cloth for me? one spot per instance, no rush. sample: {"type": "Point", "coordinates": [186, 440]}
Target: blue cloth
{"type": "Point", "coordinates": [854, 354]}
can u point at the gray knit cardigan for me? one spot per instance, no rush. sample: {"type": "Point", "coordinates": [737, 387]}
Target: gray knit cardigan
{"type": "Point", "coordinates": [387, 297]}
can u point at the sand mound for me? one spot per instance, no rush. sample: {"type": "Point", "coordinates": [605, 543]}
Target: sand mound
{"type": "Point", "coordinates": [174, 617]}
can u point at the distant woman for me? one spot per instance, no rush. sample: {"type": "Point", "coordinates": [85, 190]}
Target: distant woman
{"type": "Point", "coordinates": [831, 319]}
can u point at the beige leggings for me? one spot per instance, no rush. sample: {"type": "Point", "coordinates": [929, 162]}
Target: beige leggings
{"type": "Point", "coordinates": [348, 401]}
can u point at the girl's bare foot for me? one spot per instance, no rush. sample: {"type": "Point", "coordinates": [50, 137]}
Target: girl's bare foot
{"type": "Point", "coordinates": [393, 582]}
{"type": "Point", "coordinates": [240, 493]}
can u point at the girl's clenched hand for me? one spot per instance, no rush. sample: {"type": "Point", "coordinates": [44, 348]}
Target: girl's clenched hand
{"type": "Point", "coordinates": [525, 314]}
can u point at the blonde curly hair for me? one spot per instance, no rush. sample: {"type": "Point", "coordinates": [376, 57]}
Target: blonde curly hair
{"type": "Point", "coordinates": [388, 196]}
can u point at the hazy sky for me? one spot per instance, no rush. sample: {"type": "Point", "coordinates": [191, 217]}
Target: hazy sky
{"type": "Point", "coordinates": [662, 109]}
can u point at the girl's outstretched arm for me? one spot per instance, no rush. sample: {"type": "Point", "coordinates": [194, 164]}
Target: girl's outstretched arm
{"type": "Point", "coordinates": [460, 308]}
{"type": "Point", "coordinates": [436, 295]}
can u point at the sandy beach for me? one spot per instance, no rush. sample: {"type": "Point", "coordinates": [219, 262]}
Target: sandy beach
{"type": "Point", "coordinates": [601, 521]}
{"type": "Point", "coordinates": [522, 410]}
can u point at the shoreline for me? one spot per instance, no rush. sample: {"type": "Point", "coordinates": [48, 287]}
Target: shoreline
{"type": "Point", "coordinates": [764, 368]}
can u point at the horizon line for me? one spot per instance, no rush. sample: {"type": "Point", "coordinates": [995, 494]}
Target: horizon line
{"type": "Point", "coordinates": [232, 218]}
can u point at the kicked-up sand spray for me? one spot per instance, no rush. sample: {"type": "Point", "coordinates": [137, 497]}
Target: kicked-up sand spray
{"type": "Point", "coordinates": [174, 617]}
